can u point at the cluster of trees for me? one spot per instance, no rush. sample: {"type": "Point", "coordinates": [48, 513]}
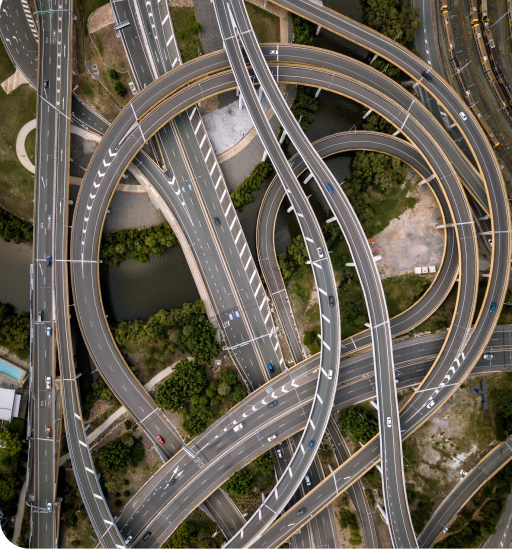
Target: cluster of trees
{"type": "Point", "coordinates": [303, 107]}
{"type": "Point", "coordinates": [296, 255]}
{"type": "Point", "coordinates": [348, 519]}
{"type": "Point", "coordinates": [13, 228]}
{"type": "Point", "coordinates": [242, 195]}
{"type": "Point", "coordinates": [422, 511]}
{"type": "Point", "coordinates": [243, 481]}
{"type": "Point", "coordinates": [14, 330]}
{"type": "Point", "coordinates": [311, 340]}
{"type": "Point", "coordinates": [121, 452]}
{"type": "Point", "coordinates": [186, 328]}
{"type": "Point", "coordinates": [99, 391]}
{"type": "Point", "coordinates": [120, 89]}
{"type": "Point", "coordinates": [136, 244]}
{"type": "Point", "coordinates": [359, 423]}
{"type": "Point", "coordinates": [12, 444]}
{"type": "Point", "coordinates": [500, 400]}
{"type": "Point", "coordinates": [189, 392]}
{"type": "Point", "coordinates": [302, 31]}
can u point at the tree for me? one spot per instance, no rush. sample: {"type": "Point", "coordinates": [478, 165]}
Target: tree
{"type": "Point", "coordinates": [228, 376]}
{"type": "Point", "coordinates": [264, 463]}
{"type": "Point", "coordinates": [115, 456]}
{"type": "Point", "coordinates": [187, 379]}
{"type": "Point", "coordinates": [120, 89]}
{"type": "Point", "coordinates": [13, 228]}
{"type": "Point", "coordinates": [113, 73]}
{"type": "Point", "coordinates": [193, 426]}
{"type": "Point", "coordinates": [242, 195]}
{"type": "Point", "coordinates": [301, 31]}
{"type": "Point", "coordinates": [362, 425]}
{"type": "Point", "coordinates": [295, 256]}
{"type": "Point", "coordinates": [12, 443]}
{"type": "Point", "coordinates": [312, 341]}
{"type": "Point", "coordinates": [14, 330]}
{"type": "Point", "coordinates": [183, 536]}
{"type": "Point", "coordinates": [240, 483]}
{"type": "Point", "coordinates": [8, 487]}
{"type": "Point", "coordinates": [224, 389]}
{"type": "Point", "coordinates": [239, 392]}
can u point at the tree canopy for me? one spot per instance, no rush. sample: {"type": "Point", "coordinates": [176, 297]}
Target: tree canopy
{"type": "Point", "coordinates": [14, 330]}
{"type": "Point", "coordinates": [136, 244]}
{"type": "Point", "coordinates": [13, 228]}
{"type": "Point", "coordinates": [361, 424]}
{"type": "Point", "coordinates": [240, 483]}
{"type": "Point", "coordinates": [188, 378]}
{"type": "Point", "coordinates": [242, 195]}
{"type": "Point", "coordinates": [296, 255]}
{"type": "Point", "coordinates": [182, 537]}
{"type": "Point", "coordinates": [121, 452]}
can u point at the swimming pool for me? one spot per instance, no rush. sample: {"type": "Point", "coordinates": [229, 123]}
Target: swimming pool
{"type": "Point", "coordinates": [9, 370]}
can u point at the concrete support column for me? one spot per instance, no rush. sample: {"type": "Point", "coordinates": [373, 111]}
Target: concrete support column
{"type": "Point", "coordinates": [237, 92]}
{"type": "Point", "coordinates": [318, 92]}
{"type": "Point", "coordinates": [264, 156]}
{"type": "Point", "coordinates": [240, 102]}
{"type": "Point", "coordinates": [283, 137]}
{"type": "Point", "coordinates": [318, 29]}
{"type": "Point", "coordinates": [368, 112]}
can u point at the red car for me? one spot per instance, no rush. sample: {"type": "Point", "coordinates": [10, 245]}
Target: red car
{"type": "Point", "coordinates": [160, 439]}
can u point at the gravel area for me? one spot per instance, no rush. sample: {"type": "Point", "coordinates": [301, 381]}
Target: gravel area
{"type": "Point", "coordinates": [210, 34]}
{"type": "Point", "coordinates": [131, 211]}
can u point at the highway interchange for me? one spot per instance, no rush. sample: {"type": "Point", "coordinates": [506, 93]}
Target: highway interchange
{"type": "Point", "coordinates": [150, 112]}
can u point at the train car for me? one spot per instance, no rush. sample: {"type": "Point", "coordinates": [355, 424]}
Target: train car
{"type": "Point", "coordinates": [444, 5]}
{"type": "Point", "coordinates": [488, 132]}
{"type": "Point", "coordinates": [482, 50]}
{"type": "Point", "coordinates": [473, 12]}
{"type": "Point", "coordinates": [483, 11]}
{"type": "Point", "coordinates": [448, 33]}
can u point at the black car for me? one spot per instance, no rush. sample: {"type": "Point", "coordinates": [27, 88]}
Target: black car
{"type": "Point", "coordinates": [331, 301]}
{"type": "Point", "coordinates": [46, 83]}
{"type": "Point", "coordinates": [426, 76]}
{"type": "Point", "coordinates": [48, 260]}
{"type": "Point", "coordinates": [167, 174]}
{"type": "Point", "coordinates": [147, 535]}
{"type": "Point", "coordinates": [217, 221]}
{"type": "Point", "coordinates": [301, 511]}
{"type": "Point", "coordinates": [272, 404]}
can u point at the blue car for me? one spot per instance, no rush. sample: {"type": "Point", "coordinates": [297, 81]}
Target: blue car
{"type": "Point", "coordinates": [230, 316]}
{"type": "Point", "coordinates": [237, 314]}
{"type": "Point", "coordinates": [493, 307]}
{"type": "Point", "coordinates": [271, 368]}
{"type": "Point", "coordinates": [329, 187]}
{"type": "Point", "coordinates": [311, 444]}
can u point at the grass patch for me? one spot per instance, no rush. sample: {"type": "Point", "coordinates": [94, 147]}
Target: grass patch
{"type": "Point", "coordinates": [16, 109]}
{"type": "Point", "coordinates": [30, 146]}
{"type": "Point", "coordinates": [187, 32]}
{"type": "Point", "coordinates": [264, 23]}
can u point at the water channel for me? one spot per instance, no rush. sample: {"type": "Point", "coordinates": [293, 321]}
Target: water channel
{"type": "Point", "coordinates": [138, 290]}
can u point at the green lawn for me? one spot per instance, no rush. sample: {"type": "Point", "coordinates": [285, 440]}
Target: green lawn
{"type": "Point", "coordinates": [187, 32]}
{"type": "Point", "coordinates": [16, 109]}
{"type": "Point", "coordinates": [30, 146]}
{"type": "Point", "coordinates": [265, 24]}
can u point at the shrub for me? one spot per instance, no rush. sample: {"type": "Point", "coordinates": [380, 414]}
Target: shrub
{"type": "Point", "coordinates": [120, 89]}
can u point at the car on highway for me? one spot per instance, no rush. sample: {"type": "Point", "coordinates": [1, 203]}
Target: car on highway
{"type": "Point", "coordinates": [463, 116]}
{"type": "Point", "coordinates": [183, 189]}
{"type": "Point", "coordinates": [273, 52]}
{"type": "Point", "coordinates": [170, 483]}
{"type": "Point", "coordinates": [48, 381]}
{"type": "Point", "coordinates": [237, 428]}
{"type": "Point", "coordinates": [488, 356]}
{"type": "Point", "coordinates": [331, 301]}
{"type": "Point", "coordinates": [489, 241]}
{"type": "Point", "coordinates": [237, 314]}
{"type": "Point", "coordinates": [49, 399]}
{"type": "Point", "coordinates": [311, 444]}
{"type": "Point", "coordinates": [147, 535]}
{"type": "Point", "coordinates": [230, 316]}
{"type": "Point", "coordinates": [271, 368]}
{"type": "Point", "coordinates": [48, 432]}
{"type": "Point", "coordinates": [128, 539]}
{"type": "Point", "coordinates": [117, 147]}
{"type": "Point", "coordinates": [272, 404]}
{"type": "Point", "coordinates": [426, 76]}
{"type": "Point", "coordinates": [279, 454]}
{"type": "Point", "coordinates": [329, 374]}
{"type": "Point", "coordinates": [46, 83]}
{"type": "Point", "coordinates": [329, 188]}
{"type": "Point", "coordinates": [49, 506]}
{"type": "Point", "coordinates": [49, 221]}
{"type": "Point", "coordinates": [48, 260]}
{"type": "Point", "coordinates": [189, 186]}
{"type": "Point", "coordinates": [388, 422]}
{"type": "Point", "coordinates": [40, 315]}
{"type": "Point", "coordinates": [397, 381]}
{"type": "Point", "coordinates": [167, 174]}
{"type": "Point", "coordinates": [431, 404]}
{"type": "Point", "coordinates": [301, 511]}
{"type": "Point", "coordinates": [160, 439]}
{"type": "Point", "coordinates": [308, 480]}
{"type": "Point", "coordinates": [272, 437]}
{"type": "Point", "coordinates": [48, 331]}
{"type": "Point", "coordinates": [493, 307]}
{"type": "Point", "coordinates": [217, 221]}
{"type": "Point", "coordinates": [320, 253]}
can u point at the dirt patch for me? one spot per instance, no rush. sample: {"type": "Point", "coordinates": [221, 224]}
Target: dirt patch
{"type": "Point", "coordinates": [101, 18]}
{"type": "Point", "coordinates": [412, 240]}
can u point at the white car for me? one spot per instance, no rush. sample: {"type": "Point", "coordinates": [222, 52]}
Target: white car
{"type": "Point", "coordinates": [271, 437]}
{"type": "Point", "coordinates": [273, 52]}
{"type": "Point", "coordinates": [279, 454]}
{"type": "Point", "coordinates": [489, 241]}
{"type": "Point", "coordinates": [329, 374]}
{"type": "Point", "coordinates": [308, 480]}
{"type": "Point", "coordinates": [320, 253]}
{"type": "Point", "coordinates": [488, 356]}
{"type": "Point", "coordinates": [431, 404]}
{"type": "Point", "coordinates": [48, 382]}
{"type": "Point", "coordinates": [463, 116]}
{"type": "Point", "coordinates": [388, 422]}
{"type": "Point", "coordinates": [238, 427]}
